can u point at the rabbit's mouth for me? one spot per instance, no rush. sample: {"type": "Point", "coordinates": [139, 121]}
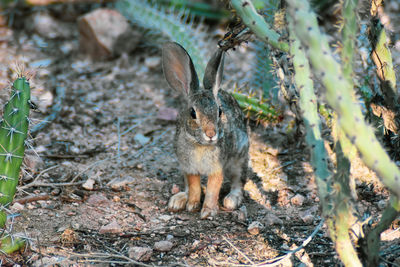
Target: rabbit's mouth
{"type": "Point", "coordinates": [210, 139]}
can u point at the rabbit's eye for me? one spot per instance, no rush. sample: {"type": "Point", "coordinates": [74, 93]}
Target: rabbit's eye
{"type": "Point", "coordinates": [193, 113]}
{"type": "Point", "coordinates": [219, 112]}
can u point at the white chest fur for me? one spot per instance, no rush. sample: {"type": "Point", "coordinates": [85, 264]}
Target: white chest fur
{"type": "Point", "coordinates": [199, 159]}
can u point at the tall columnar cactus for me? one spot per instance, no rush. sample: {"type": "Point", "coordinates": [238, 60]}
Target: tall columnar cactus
{"type": "Point", "coordinates": [339, 96]}
{"type": "Point", "coordinates": [334, 202]}
{"type": "Point", "coordinates": [13, 134]}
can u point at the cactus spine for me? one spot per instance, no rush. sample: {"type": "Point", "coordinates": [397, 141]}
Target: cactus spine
{"type": "Point", "coordinates": [13, 134]}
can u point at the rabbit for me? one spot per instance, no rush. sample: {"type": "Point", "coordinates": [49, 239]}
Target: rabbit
{"type": "Point", "coordinates": [211, 133]}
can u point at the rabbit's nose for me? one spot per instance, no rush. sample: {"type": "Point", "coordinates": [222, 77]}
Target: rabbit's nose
{"type": "Point", "coordinates": [210, 133]}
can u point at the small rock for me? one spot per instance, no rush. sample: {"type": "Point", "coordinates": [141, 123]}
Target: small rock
{"type": "Point", "coordinates": [140, 253]}
{"type": "Point", "coordinates": [33, 162]}
{"type": "Point", "coordinates": [97, 199]}
{"type": "Point", "coordinates": [67, 164]}
{"type": "Point", "coordinates": [111, 228]}
{"type": "Point", "coordinates": [170, 237]}
{"type": "Point", "coordinates": [48, 27]}
{"type": "Point", "coordinates": [165, 218]}
{"type": "Point", "coordinates": [152, 62]}
{"type": "Point", "coordinates": [175, 189]}
{"type": "Point", "coordinates": [381, 204]}
{"type": "Point", "coordinates": [241, 214]}
{"type": "Point", "coordinates": [271, 219]}
{"type": "Point", "coordinates": [297, 200]}
{"type": "Point", "coordinates": [163, 246]}
{"type": "Point", "coordinates": [254, 228]}
{"type": "Point", "coordinates": [89, 184]}
{"type": "Point", "coordinates": [167, 114]}
{"type": "Point", "coordinates": [43, 204]}
{"type": "Point", "coordinates": [141, 139]}
{"type": "Point", "coordinates": [17, 207]}
{"type": "Point", "coordinates": [119, 182]}
{"type": "Point", "coordinates": [306, 217]}
{"type": "Point", "coordinates": [104, 33]}
{"type": "Point", "coordinates": [40, 149]}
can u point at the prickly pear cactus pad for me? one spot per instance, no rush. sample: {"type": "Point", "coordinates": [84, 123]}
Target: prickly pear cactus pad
{"type": "Point", "coordinates": [13, 133]}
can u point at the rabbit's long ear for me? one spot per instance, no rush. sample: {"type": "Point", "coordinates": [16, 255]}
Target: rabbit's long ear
{"type": "Point", "coordinates": [213, 73]}
{"type": "Point", "coordinates": [178, 68]}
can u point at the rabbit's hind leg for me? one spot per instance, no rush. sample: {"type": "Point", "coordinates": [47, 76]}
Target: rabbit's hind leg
{"type": "Point", "coordinates": [236, 172]}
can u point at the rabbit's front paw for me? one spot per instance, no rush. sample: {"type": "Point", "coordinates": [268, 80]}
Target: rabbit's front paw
{"type": "Point", "coordinates": [233, 200]}
{"type": "Point", "coordinates": [193, 206]}
{"type": "Point", "coordinates": [208, 212]}
{"type": "Point", "coordinates": [178, 202]}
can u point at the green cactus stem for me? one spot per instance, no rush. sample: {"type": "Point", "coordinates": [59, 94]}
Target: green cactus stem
{"type": "Point", "coordinates": [347, 151]}
{"type": "Point", "coordinates": [339, 96]}
{"type": "Point", "coordinates": [257, 24]}
{"type": "Point", "coordinates": [371, 243]}
{"type": "Point", "coordinates": [179, 28]}
{"type": "Point", "coordinates": [382, 58]}
{"type": "Point", "coordinates": [334, 202]}
{"type": "Point", "coordinates": [13, 134]}
{"type": "Point", "coordinates": [257, 108]}
{"type": "Point", "coordinates": [309, 109]}
{"type": "Point", "coordinates": [349, 31]}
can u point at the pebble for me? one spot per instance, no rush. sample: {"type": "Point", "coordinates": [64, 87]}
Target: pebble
{"type": "Point", "coordinates": [152, 62]}
{"type": "Point", "coordinates": [17, 207]}
{"type": "Point", "coordinates": [89, 184]}
{"type": "Point", "coordinates": [271, 219]}
{"type": "Point", "coordinates": [97, 199]}
{"type": "Point", "coordinates": [297, 200]}
{"type": "Point", "coordinates": [307, 217]}
{"type": "Point", "coordinates": [48, 27]}
{"type": "Point", "coordinates": [381, 204]}
{"type": "Point", "coordinates": [112, 228]}
{"type": "Point", "coordinates": [254, 228]}
{"type": "Point", "coordinates": [163, 246]}
{"type": "Point", "coordinates": [165, 218]}
{"type": "Point", "coordinates": [141, 139]}
{"type": "Point", "coordinates": [140, 253]}
{"type": "Point", "coordinates": [119, 182]}
{"type": "Point", "coordinates": [242, 213]}
{"type": "Point", "coordinates": [175, 189]}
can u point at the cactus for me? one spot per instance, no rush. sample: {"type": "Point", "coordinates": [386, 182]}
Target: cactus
{"type": "Point", "coordinates": [349, 31]}
{"type": "Point", "coordinates": [255, 107]}
{"type": "Point", "coordinates": [263, 78]}
{"type": "Point", "coordinates": [178, 27]}
{"type": "Point", "coordinates": [257, 24]}
{"type": "Point", "coordinates": [13, 134]}
{"type": "Point", "coordinates": [339, 96]}
{"type": "Point", "coordinates": [308, 105]}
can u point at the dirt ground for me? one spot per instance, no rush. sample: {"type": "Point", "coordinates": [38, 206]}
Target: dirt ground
{"type": "Point", "coordinates": [106, 170]}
